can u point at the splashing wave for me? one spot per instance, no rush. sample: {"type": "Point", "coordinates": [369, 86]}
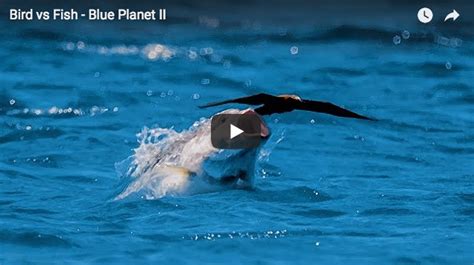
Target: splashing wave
{"type": "Point", "coordinates": [168, 162]}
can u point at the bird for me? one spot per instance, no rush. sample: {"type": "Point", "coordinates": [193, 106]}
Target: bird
{"type": "Point", "coordinates": [270, 104]}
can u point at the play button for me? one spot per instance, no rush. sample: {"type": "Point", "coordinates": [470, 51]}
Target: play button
{"type": "Point", "coordinates": [235, 131]}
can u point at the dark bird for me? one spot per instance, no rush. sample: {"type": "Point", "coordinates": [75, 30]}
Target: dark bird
{"type": "Point", "coordinates": [270, 104]}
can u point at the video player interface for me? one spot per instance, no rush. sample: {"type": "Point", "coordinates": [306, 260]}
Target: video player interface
{"type": "Point", "coordinates": [236, 132]}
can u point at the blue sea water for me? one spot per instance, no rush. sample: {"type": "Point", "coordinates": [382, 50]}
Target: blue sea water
{"type": "Point", "coordinates": [327, 190]}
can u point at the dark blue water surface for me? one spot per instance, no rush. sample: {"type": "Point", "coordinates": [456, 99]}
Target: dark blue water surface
{"type": "Point", "coordinates": [328, 190]}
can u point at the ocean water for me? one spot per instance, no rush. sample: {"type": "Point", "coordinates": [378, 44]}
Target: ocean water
{"type": "Point", "coordinates": [78, 101]}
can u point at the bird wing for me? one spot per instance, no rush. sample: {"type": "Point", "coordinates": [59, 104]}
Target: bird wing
{"type": "Point", "coordinates": [259, 99]}
{"type": "Point", "coordinates": [279, 104]}
{"type": "Point", "coordinates": [328, 108]}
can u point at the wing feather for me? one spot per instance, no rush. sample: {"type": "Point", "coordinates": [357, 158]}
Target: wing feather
{"type": "Point", "coordinates": [259, 99]}
{"type": "Point", "coordinates": [328, 108]}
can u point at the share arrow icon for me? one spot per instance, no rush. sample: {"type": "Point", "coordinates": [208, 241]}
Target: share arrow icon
{"type": "Point", "coordinates": [453, 15]}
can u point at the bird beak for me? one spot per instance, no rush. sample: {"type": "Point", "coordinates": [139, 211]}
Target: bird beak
{"type": "Point", "coordinates": [264, 131]}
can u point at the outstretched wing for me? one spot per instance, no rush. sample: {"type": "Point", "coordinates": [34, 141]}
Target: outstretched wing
{"type": "Point", "coordinates": [328, 108]}
{"type": "Point", "coordinates": [280, 104]}
{"type": "Point", "coordinates": [259, 99]}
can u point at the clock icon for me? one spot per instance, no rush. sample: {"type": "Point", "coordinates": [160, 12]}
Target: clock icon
{"type": "Point", "coordinates": [425, 15]}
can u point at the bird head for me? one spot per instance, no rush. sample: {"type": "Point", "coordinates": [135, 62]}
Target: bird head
{"type": "Point", "coordinates": [287, 96]}
{"type": "Point", "coordinates": [264, 131]}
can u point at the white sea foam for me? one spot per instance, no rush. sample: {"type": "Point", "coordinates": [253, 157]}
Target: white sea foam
{"type": "Point", "coordinates": [152, 51]}
{"type": "Point", "coordinates": [58, 111]}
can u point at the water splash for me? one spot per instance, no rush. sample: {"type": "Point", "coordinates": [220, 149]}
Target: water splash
{"type": "Point", "coordinates": [294, 50]}
{"type": "Point", "coordinates": [152, 51]}
{"type": "Point", "coordinates": [59, 111]}
{"type": "Point", "coordinates": [449, 42]}
{"type": "Point", "coordinates": [405, 34]}
{"type": "Point", "coordinates": [397, 40]}
{"type": "Point", "coordinates": [448, 65]}
{"type": "Point", "coordinates": [168, 162]}
{"type": "Point", "coordinates": [158, 51]}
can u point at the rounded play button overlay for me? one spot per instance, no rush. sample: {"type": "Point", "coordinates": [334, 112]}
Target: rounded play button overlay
{"type": "Point", "coordinates": [235, 131]}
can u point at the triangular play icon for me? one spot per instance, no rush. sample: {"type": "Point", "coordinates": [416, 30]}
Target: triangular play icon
{"type": "Point", "coordinates": [235, 131]}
